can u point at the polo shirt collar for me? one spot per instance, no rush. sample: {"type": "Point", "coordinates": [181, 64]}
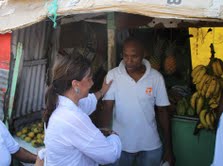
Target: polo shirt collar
{"type": "Point", "coordinates": [122, 68]}
{"type": "Point", "coordinates": [66, 102]}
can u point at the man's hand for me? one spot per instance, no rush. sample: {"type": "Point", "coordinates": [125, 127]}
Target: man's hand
{"type": "Point", "coordinates": [169, 156]}
{"type": "Point", "coordinates": [107, 131]}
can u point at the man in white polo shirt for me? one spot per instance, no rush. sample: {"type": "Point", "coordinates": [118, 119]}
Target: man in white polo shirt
{"type": "Point", "coordinates": [130, 102]}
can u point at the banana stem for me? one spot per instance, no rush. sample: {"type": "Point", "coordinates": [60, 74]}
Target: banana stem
{"type": "Point", "coordinates": [212, 51]}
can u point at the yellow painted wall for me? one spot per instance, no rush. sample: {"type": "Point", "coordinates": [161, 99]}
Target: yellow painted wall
{"type": "Point", "coordinates": [200, 44]}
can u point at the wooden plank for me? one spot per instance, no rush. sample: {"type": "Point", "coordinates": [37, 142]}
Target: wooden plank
{"type": "Point", "coordinates": [14, 82]}
{"type": "Point", "coordinates": [111, 28]}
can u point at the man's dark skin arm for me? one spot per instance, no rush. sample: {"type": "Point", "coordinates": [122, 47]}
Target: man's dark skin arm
{"type": "Point", "coordinates": [25, 156]}
{"type": "Point", "coordinates": [164, 121]}
{"type": "Point", "coordinates": [107, 113]}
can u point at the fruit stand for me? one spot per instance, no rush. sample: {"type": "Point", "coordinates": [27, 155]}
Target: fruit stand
{"type": "Point", "coordinates": [171, 54]}
{"type": "Point", "coordinates": [194, 126]}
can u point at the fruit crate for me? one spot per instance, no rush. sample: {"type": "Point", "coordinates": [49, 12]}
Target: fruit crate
{"type": "Point", "coordinates": [190, 149]}
{"type": "Point", "coordinates": [30, 129]}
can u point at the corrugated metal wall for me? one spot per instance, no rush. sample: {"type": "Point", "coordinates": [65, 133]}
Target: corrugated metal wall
{"type": "Point", "coordinates": [31, 82]}
{"type": "Point", "coordinates": [3, 86]}
{"type": "Point", "coordinates": [5, 40]}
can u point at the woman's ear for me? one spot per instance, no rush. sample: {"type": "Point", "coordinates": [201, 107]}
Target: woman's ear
{"type": "Point", "coordinates": [75, 83]}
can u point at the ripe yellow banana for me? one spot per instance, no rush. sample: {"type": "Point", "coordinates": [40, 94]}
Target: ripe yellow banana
{"type": "Point", "coordinates": [195, 70]}
{"type": "Point", "coordinates": [193, 100]}
{"type": "Point", "coordinates": [200, 85]}
{"type": "Point", "coordinates": [199, 104]}
{"type": "Point", "coordinates": [202, 118]}
{"type": "Point", "coordinates": [214, 68]}
{"type": "Point", "coordinates": [213, 100]}
{"type": "Point", "coordinates": [200, 126]}
{"type": "Point", "coordinates": [211, 88]}
{"type": "Point", "coordinates": [210, 122]}
{"type": "Point", "coordinates": [206, 85]}
{"type": "Point", "coordinates": [213, 105]}
{"type": "Point", "coordinates": [217, 88]}
{"type": "Point", "coordinates": [219, 67]}
{"type": "Point", "coordinates": [199, 75]}
{"type": "Point", "coordinates": [218, 97]}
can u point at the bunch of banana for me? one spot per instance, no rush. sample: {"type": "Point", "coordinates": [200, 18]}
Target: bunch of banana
{"type": "Point", "coordinates": [213, 88]}
{"type": "Point", "coordinates": [197, 73]}
{"type": "Point", "coordinates": [217, 67]}
{"type": "Point", "coordinates": [197, 102]}
{"type": "Point", "coordinates": [207, 85]}
{"type": "Point", "coordinates": [203, 85]}
{"type": "Point", "coordinates": [214, 101]}
{"type": "Point", "coordinates": [207, 119]}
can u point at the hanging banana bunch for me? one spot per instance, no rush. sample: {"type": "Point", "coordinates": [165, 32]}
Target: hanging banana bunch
{"type": "Point", "coordinates": [209, 84]}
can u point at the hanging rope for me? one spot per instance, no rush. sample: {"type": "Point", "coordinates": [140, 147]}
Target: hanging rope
{"type": "Point", "coordinates": [52, 10]}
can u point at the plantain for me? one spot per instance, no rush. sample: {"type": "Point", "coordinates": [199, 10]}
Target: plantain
{"type": "Point", "coordinates": [202, 118]}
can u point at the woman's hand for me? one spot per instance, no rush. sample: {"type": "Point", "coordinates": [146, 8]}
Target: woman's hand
{"type": "Point", "coordinates": [99, 94]}
{"type": "Point", "coordinates": [105, 87]}
{"type": "Point", "coordinates": [107, 132]}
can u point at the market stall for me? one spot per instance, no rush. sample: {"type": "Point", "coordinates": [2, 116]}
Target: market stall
{"type": "Point", "coordinates": [96, 30]}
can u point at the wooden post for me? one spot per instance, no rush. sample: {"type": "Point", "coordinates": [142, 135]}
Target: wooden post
{"type": "Point", "coordinates": [14, 82]}
{"type": "Point", "coordinates": [111, 28]}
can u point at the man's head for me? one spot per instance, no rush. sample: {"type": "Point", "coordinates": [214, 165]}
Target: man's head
{"type": "Point", "coordinates": [133, 53]}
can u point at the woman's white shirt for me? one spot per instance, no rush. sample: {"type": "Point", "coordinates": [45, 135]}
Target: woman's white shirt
{"type": "Point", "coordinates": [8, 146]}
{"type": "Point", "coordinates": [73, 140]}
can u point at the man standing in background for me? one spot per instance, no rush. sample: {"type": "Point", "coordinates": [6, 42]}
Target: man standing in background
{"type": "Point", "coordinates": [129, 106]}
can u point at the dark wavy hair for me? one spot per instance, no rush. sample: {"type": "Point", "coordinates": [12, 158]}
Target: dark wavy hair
{"type": "Point", "coordinates": [66, 69]}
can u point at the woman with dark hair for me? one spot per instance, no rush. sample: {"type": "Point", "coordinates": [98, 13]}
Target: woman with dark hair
{"type": "Point", "coordinates": [71, 139]}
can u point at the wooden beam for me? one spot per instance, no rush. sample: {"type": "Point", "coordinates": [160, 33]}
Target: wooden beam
{"type": "Point", "coordinates": [14, 82]}
{"type": "Point", "coordinates": [111, 34]}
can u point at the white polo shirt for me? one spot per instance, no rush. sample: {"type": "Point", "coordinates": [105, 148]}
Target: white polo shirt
{"type": "Point", "coordinates": [218, 157]}
{"type": "Point", "coordinates": [8, 146]}
{"type": "Point", "coordinates": [73, 140]}
{"type": "Point", "coordinates": [134, 115]}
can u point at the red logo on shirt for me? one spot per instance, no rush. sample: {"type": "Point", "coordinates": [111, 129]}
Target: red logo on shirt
{"type": "Point", "coordinates": [149, 91]}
